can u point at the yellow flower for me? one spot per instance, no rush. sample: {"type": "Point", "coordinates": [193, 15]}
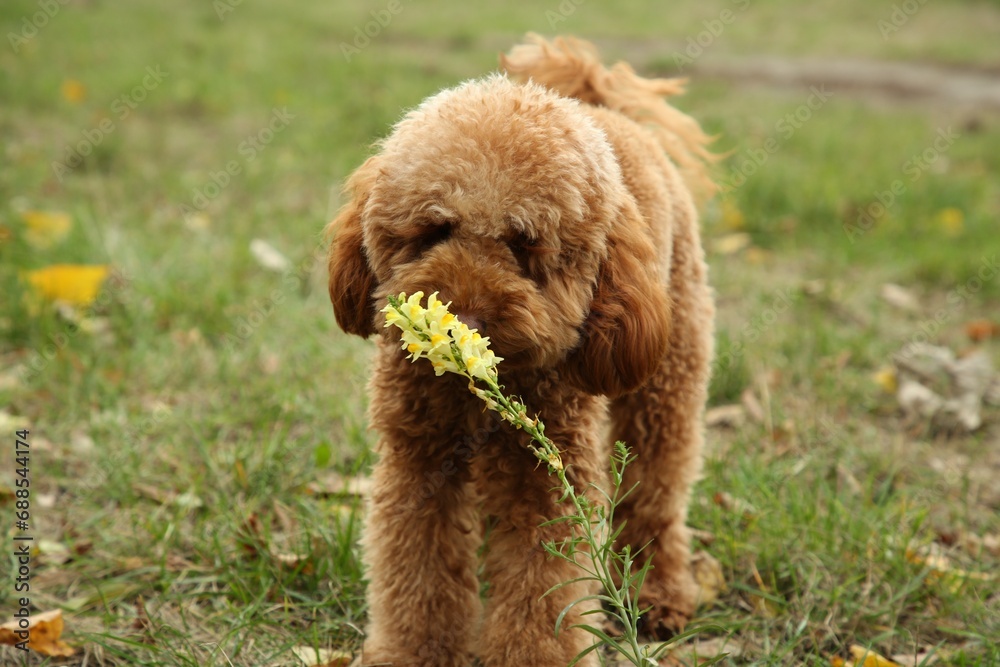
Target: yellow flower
{"type": "Point", "coordinates": [411, 307]}
{"type": "Point", "coordinates": [45, 228]}
{"type": "Point", "coordinates": [73, 91]}
{"type": "Point", "coordinates": [951, 221]}
{"type": "Point", "coordinates": [452, 347]}
{"type": "Point", "coordinates": [435, 333]}
{"type": "Point", "coordinates": [732, 217]}
{"type": "Point", "coordinates": [75, 284]}
{"type": "Point", "coordinates": [434, 303]}
{"type": "Point", "coordinates": [443, 365]}
{"type": "Point", "coordinates": [477, 368]}
{"type": "Point", "coordinates": [413, 344]}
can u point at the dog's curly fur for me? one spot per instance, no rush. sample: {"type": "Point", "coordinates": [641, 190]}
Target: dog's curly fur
{"type": "Point", "coordinates": [545, 204]}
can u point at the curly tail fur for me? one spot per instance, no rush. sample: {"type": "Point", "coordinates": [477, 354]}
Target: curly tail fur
{"type": "Point", "coordinates": [572, 67]}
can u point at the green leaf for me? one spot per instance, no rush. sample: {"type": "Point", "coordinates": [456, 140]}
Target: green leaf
{"type": "Point", "coordinates": [323, 454]}
{"type": "Point", "coordinates": [600, 634]}
{"type": "Point", "coordinates": [585, 652]}
{"type": "Point", "coordinates": [562, 584]}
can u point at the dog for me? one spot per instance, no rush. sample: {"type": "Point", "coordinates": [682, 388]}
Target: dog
{"type": "Point", "coordinates": [554, 206]}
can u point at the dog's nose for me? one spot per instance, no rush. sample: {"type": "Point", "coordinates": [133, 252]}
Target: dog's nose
{"type": "Point", "coordinates": [471, 321]}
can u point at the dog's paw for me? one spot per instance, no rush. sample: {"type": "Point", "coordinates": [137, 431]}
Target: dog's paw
{"type": "Point", "coordinates": [663, 623]}
{"type": "Point", "coordinates": [670, 603]}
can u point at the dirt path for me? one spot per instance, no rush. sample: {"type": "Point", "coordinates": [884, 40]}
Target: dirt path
{"type": "Point", "coordinates": [970, 89]}
{"type": "Point", "coordinates": [975, 89]}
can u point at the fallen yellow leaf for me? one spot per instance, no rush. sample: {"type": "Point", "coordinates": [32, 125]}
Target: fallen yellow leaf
{"type": "Point", "coordinates": [73, 91]}
{"type": "Point", "coordinates": [45, 228]}
{"type": "Point", "coordinates": [321, 657]}
{"type": "Point", "coordinates": [885, 378]}
{"type": "Point", "coordinates": [74, 284]}
{"type": "Point", "coordinates": [44, 631]}
{"type": "Point", "coordinates": [865, 657]}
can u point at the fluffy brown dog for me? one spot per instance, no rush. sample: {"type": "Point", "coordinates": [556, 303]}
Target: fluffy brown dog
{"type": "Point", "coordinates": [544, 206]}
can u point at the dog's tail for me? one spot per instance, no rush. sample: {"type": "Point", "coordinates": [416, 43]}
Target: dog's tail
{"type": "Point", "coordinates": [571, 67]}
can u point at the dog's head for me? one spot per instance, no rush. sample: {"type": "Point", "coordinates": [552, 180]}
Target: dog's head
{"type": "Point", "coordinates": [508, 200]}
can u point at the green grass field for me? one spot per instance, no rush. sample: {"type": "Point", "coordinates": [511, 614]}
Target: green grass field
{"type": "Point", "coordinates": [190, 428]}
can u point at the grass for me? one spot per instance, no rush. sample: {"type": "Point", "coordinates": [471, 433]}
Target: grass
{"type": "Point", "coordinates": [186, 447]}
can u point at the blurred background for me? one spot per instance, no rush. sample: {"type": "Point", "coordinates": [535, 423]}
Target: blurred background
{"type": "Point", "coordinates": [198, 432]}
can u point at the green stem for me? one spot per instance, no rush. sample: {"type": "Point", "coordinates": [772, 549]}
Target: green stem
{"type": "Point", "coordinates": [600, 550]}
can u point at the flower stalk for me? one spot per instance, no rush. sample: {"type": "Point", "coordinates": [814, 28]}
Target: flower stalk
{"type": "Point", "coordinates": [451, 346]}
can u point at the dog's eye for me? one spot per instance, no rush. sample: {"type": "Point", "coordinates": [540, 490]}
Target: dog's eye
{"type": "Point", "coordinates": [433, 235]}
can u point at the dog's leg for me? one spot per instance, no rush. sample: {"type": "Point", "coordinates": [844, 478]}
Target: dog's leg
{"type": "Point", "coordinates": [520, 495]}
{"type": "Point", "coordinates": [422, 529]}
{"type": "Point", "coordinates": [662, 423]}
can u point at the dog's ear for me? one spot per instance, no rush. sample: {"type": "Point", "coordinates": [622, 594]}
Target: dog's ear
{"type": "Point", "coordinates": [626, 333]}
{"type": "Point", "coordinates": [351, 279]}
